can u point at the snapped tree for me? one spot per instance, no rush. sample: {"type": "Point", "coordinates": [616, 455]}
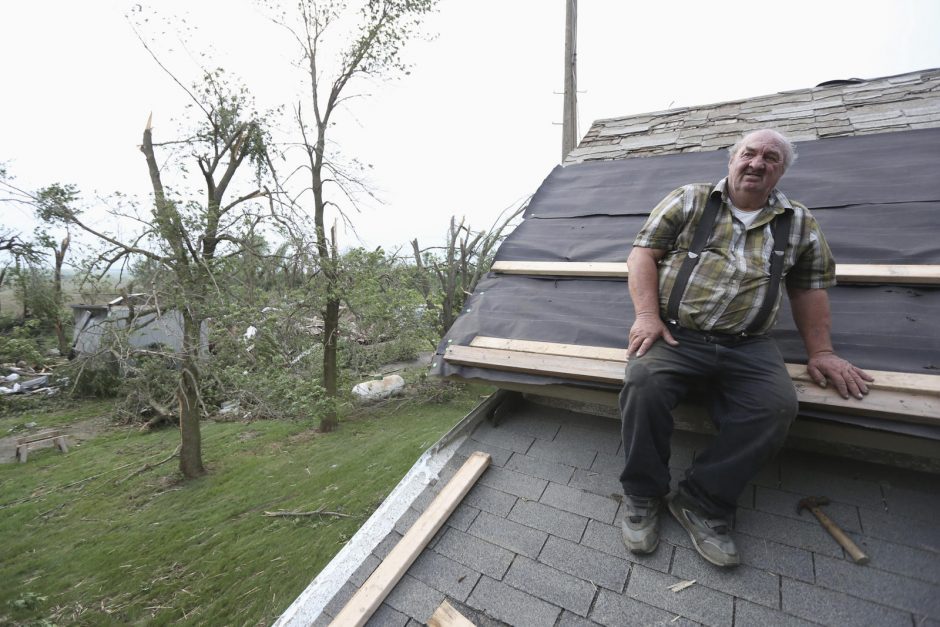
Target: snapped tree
{"type": "Point", "coordinates": [373, 51]}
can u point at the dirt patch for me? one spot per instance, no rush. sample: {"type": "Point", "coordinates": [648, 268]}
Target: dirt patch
{"type": "Point", "coordinates": [77, 433]}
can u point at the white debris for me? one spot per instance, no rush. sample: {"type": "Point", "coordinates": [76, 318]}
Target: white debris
{"type": "Point", "coordinates": [682, 585]}
{"type": "Point", "coordinates": [250, 332]}
{"type": "Point", "coordinates": [392, 385]}
{"type": "Point", "coordinates": [11, 377]}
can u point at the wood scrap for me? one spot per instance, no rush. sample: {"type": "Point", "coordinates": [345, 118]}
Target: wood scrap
{"type": "Point", "coordinates": [368, 598]}
{"type": "Point", "coordinates": [681, 585]}
{"type": "Point", "coordinates": [446, 616]}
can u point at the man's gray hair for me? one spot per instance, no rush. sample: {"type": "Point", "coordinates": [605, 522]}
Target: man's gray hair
{"type": "Point", "coordinates": [789, 149]}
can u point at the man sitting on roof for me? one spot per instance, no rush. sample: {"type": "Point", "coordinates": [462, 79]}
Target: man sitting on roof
{"type": "Point", "coordinates": [705, 272]}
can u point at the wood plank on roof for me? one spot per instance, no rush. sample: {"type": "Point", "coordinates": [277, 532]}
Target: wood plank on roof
{"type": "Point", "coordinates": [916, 400]}
{"type": "Point", "coordinates": [910, 274]}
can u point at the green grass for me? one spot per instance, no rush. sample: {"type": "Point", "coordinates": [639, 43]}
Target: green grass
{"type": "Point", "coordinates": [153, 549]}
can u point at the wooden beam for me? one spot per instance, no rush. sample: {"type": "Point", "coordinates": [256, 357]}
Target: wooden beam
{"type": "Point", "coordinates": [446, 616]}
{"type": "Point", "coordinates": [845, 273]}
{"type": "Point", "coordinates": [884, 379]}
{"type": "Point", "coordinates": [368, 598]}
{"type": "Point", "coordinates": [895, 399]}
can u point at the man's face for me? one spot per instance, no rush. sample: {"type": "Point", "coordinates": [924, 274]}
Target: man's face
{"type": "Point", "coordinates": [757, 166]}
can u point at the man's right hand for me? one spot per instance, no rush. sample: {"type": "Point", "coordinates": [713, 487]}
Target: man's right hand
{"type": "Point", "coordinates": [646, 329]}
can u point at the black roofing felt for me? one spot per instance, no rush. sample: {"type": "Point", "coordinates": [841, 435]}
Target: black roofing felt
{"type": "Point", "coordinates": [876, 197]}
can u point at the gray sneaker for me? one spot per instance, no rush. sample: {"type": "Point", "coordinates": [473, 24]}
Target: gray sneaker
{"type": "Point", "coordinates": [710, 536]}
{"type": "Point", "coordinates": [640, 523]}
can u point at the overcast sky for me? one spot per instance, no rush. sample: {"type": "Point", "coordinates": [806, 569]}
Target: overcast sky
{"type": "Point", "coordinates": [472, 130]}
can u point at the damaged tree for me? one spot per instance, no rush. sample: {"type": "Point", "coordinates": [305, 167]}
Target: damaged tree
{"type": "Point", "coordinates": [382, 29]}
{"type": "Point", "coordinates": [188, 238]}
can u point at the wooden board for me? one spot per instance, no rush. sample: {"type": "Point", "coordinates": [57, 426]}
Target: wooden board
{"type": "Point", "coordinates": [845, 273]}
{"type": "Point", "coordinates": [896, 400]}
{"type": "Point", "coordinates": [368, 598]}
{"type": "Point", "coordinates": [446, 616]}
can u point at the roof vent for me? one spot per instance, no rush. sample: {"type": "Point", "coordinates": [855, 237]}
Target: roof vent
{"type": "Point", "coordinates": [841, 81]}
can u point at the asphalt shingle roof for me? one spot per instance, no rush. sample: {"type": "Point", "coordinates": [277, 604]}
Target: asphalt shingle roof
{"type": "Point", "coordinates": [537, 541]}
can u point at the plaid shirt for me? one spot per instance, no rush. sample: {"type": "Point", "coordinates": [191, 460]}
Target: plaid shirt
{"type": "Point", "coordinates": [728, 284]}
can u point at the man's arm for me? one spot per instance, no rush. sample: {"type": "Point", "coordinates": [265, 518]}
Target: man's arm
{"type": "Point", "coordinates": [644, 292]}
{"type": "Point", "coordinates": [812, 317]}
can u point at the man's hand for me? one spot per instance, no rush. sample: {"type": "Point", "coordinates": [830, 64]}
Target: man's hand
{"type": "Point", "coordinates": [827, 367]}
{"type": "Point", "coordinates": [646, 329]}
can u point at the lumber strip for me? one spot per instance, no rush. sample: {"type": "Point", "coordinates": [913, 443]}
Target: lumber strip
{"type": "Point", "coordinates": [895, 400]}
{"type": "Point", "coordinates": [884, 379]}
{"type": "Point", "coordinates": [446, 616]}
{"type": "Point", "coordinates": [368, 598]}
{"type": "Point", "coordinates": [912, 274]}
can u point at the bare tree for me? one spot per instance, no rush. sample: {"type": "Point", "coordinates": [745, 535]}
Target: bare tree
{"type": "Point", "coordinates": [465, 258]}
{"type": "Point", "coordinates": [373, 51]}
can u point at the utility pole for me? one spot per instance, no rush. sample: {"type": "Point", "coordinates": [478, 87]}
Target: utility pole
{"type": "Point", "coordinates": [569, 125]}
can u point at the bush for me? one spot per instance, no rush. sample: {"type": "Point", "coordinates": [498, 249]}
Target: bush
{"type": "Point", "coordinates": [17, 349]}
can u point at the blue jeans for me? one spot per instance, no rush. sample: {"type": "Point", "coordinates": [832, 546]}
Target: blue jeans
{"type": "Point", "coordinates": [751, 402]}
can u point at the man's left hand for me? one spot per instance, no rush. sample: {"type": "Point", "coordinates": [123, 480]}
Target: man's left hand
{"type": "Point", "coordinates": [848, 380]}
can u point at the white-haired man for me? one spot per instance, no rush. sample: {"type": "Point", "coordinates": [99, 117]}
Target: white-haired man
{"type": "Point", "coordinates": [705, 273]}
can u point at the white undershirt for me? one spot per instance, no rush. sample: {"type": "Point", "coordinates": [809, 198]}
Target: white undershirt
{"type": "Point", "coordinates": [747, 217]}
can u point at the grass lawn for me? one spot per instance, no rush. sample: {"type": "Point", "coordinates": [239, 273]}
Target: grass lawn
{"type": "Point", "coordinates": [82, 541]}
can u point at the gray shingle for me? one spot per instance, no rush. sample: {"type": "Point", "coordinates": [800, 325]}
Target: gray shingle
{"type": "Point", "coordinates": [479, 555]}
{"type": "Point", "coordinates": [602, 485]}
{"type": "Point", "coordinates": [489, 500]}
{"type": "Point", "coordinates": [406, 520]}
{"type": "Point", "coordinates": [618, 610]}
{"type": "Point", "coordinates": [533, 420]}
{"type": "Point", "coordinates": [802, 534]}
{"type": "Point", "coordinates": [387, 544]}
{"type": "Point", "coordinates": [784, 503]}
{"type": "Point", "coordinates": [340, 599]}
{"type": "Point", "coordinates": [551, 585]}
{"type": "Point", "coordinates": [910, 503]}
{"type": "Point", "coordinates": [834, 608]}
{"type": "Point", "coordinates": [744, 581]}
{"type": "Point", "coordinates": [580, 502]}
{"type": "Point", "coordinates": [488, 434]}
{"type": "Point", "coordinates": [550, 471]}
{"type": "Point", "coordinates": [548, 519]}
{"type": "Point", "coordinates": [914, 533]}
{"type": "Point", "coordinates": [567, 619]}
{"type": "Point", "coordinates": [365, 569]}
{"type": "Point", "coordinates": [559, 452]}
{"type": "Point", "coordinates": [607, 538]}
{"type": "Point", "coordinates": [512, 606]}
{"type": "Point", "coordinates": [514, 483]}
{"type": "Point", "coordinates": [462, 517]}
{"type": "Point", "coordinates": [444, 574]}
{"type": "Point", "coordinates": [903, 560]}
{"type": "Point", "coordinates": [386, 616]}
{"type": "Point", "coordinates": [747, 613]}
{"type": "Point", "coordinates": [499, 454]}
{"type": "Point", "coordinates": [585, 563]}
{"type": "Point", "coordinates": [610, 465]}
{"type": "Point", "coordinates": [605, 440]}
{"type": "Point", "coordinates": [801, 480]}
{"type": "Point", "coordinates": [876, 585]}
{"type": "Point", "coordinates": [695, 602]}
{"type": "Point", "coordinates": [414, 598]}
{"type": "Point", "coordinates": [507, 534]}
{"type": "Point", "coordinates": [774, 557]}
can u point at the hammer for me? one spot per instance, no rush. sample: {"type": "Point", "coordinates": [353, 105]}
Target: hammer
{"type": "Point", "coordinates": [813, 503]}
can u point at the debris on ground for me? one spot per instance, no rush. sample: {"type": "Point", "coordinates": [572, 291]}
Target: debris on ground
{"type": "Point", "coordinates": [389, 386]}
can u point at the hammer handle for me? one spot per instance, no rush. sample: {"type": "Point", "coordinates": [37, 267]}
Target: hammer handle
{"type": "Point", "coordinates": [846, 542]}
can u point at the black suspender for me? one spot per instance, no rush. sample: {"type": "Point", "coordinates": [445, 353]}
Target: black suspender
{"type": "Point", "coordinates": [704, 228]}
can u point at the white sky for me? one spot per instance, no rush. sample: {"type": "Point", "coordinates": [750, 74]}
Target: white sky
{"type": "Point", "coordinates": [472, 130]}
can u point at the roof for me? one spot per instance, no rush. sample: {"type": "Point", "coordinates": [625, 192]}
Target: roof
{"type": "Point", "coordinates": [892, 103]}
{"type": "Point", "coordinates": [536, 541]}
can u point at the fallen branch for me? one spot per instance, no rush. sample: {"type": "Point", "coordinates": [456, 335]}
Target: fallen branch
{"type": "Point", "coordinates": [147, 467]}
{"type": "Point", "coordinates": [317, 512]}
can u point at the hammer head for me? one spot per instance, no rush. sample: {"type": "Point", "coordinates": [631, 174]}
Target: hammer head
{"type": "Point", "coordinates": [810, 502]}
